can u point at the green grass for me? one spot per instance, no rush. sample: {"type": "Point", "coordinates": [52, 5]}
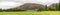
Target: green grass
{"type": "Point", "coordinates": [15, 13]}
{"type": "Point", "coordinates": [31, 13]}
{"type": "Point", "coordinates": [47, 13]}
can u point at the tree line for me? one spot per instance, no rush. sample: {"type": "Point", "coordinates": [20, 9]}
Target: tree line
{"type": "Point", "coordinates": [35, 7]}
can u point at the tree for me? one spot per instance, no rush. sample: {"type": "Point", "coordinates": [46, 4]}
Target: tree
{"type": "Point", "coordinates": [46, 7]}
{"type": "Point", "coordinates": [54, 7]}
{"type": "Point", "coordinates": [1, 10]}
{"type": "Point", "coordinates": [59, 5]}
{"type": "Point", "coordinates": [15, 9]}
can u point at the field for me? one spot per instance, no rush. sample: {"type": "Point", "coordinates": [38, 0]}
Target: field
{"type": "Point", "coordinates": [31, 13]}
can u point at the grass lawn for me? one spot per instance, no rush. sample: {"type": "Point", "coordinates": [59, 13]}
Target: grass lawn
{"type": "Point", "coordinates": [47, 13]}
{"type": "Point", "coordinates": [31, 13]}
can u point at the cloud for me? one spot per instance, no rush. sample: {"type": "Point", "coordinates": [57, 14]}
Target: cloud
{"type": "Point", "coordinates": [6, 5]}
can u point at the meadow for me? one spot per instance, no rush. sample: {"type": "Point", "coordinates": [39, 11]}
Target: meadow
{"type": "Point", "coordinates": [31, 13]}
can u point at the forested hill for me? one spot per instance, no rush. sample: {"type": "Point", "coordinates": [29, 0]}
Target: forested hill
{"type": "Point", "coordinates": [31, 6]}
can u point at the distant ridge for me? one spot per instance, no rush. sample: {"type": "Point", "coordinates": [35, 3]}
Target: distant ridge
{"type": "Point", "coordinates": [31, 6]}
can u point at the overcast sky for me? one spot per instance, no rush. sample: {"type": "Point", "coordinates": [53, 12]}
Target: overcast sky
{"type": "Point", "coordinates": [4, 4]}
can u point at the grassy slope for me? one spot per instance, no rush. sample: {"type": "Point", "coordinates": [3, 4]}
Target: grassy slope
{"type": "Point", "coordinates": [31, 13]}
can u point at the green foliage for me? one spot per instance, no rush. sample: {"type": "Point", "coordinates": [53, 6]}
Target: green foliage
{"type": "Point", "coordinates": [0, 10]}
{"type": "Point", "coordinates": [15, 9]}
{"type": "Point", "coordinates": [54, 7]}
{"type": "Point", "coordinates": [59, 6]}
{"type": "Point", "coordinates": [46, 8]}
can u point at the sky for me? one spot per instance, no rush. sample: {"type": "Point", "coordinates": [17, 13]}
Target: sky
{"type": "Point", "coordinates": [6, 4]}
